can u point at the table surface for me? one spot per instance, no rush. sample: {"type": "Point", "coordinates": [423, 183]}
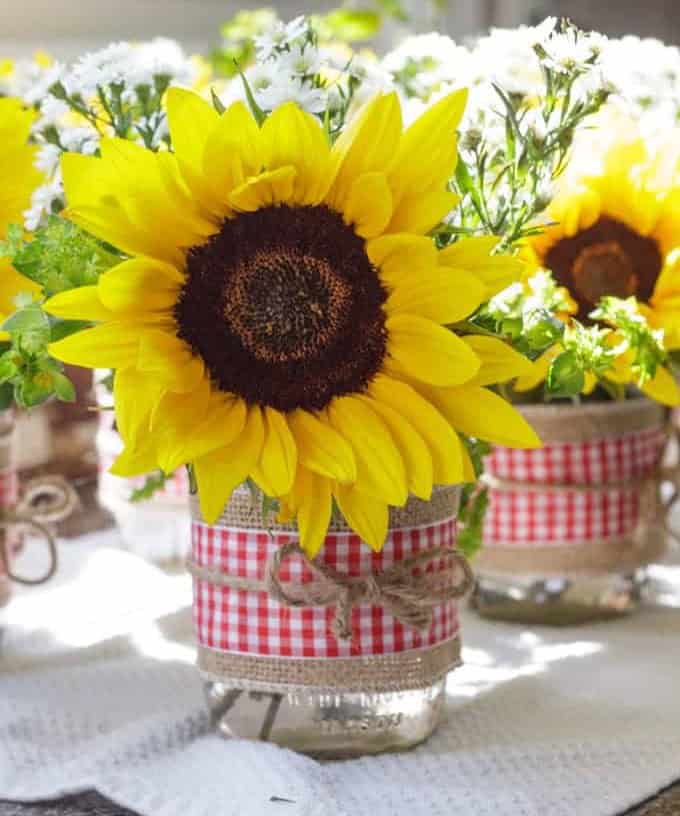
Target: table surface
{"type": "Point", "coordinates": [91, 803]}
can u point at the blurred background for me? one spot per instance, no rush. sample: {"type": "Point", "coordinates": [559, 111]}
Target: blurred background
{"type": "Point", "coordinates": [67, 27]}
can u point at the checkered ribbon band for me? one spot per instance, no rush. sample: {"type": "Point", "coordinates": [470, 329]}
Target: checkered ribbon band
{"type": "Point", "coordinates": [251, 623]}
{"type": "Point", "coordinates": [561, 518]}
{"type": "Point", "coordinates": [110, 446]}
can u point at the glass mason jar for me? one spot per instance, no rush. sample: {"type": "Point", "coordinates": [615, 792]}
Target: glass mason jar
{"type": "Point", "coordinates": [325, 657]}
{"type": "Point", "coordinates": [572, 526]}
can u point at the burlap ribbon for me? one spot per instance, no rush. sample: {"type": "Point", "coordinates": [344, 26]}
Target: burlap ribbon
{"type": "Point", "coordinates": [45, 500]}
{"type": "Point", "coordinates": [406, 590]}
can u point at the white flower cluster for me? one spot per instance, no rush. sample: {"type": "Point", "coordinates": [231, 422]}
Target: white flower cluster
{"type": "Point", "coordinates": [646, 74]}
{"type": "Point", "coordinates": [116, 90]}
{"type": "Point", "coordinates": [427, 66]}
{"type": "Point", "coordinates": [291, 66]}
{"type": "Point", "coordinates": [30, 80]}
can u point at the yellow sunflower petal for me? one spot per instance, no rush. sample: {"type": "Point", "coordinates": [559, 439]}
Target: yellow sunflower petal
{"type": "Point", "coordinates": [469, 475]}
{"type": "Point", "coordinates": [412, 448]}
{"type": "Point", "coordinates": [83, 303]}
{"type": "Point", "coordinates": [274, 187]}
{"type": "Point", "coordinates": [314, 511]}
{"type": "Point", "coordinates": [369, 205]}
{"type": "Point", "coordinates": [292, 137]}
{"type": "Point", "coordinates": [500, 362]}
{"type": "Point", "coordinates": [365, 515]}
{"type": "Point", "coordinates": [663, 388]}
{"type": "Point", "coordinates": [401, 255]}
{"type": "Point", "coordinates": [219, 472]}
{"type": "Point", "coordinates": [321, 448]}
{"type": "Point", "coordinates": [190, 121]}
{"type": "Point", "coordinates": [441, 439]}
{"type": "Point", "coordinates": [135, 461]}
{"type": "Point", "coordinates": [196, 432]}
{"type": "Point", "coordinates": [539, 370]}
{"type": "Point", "coordinates": [437, 294]}
{"type": "Point", "coordinates": [496, 272]}
{"type": "Point", "coordinates": [380, 468]}
{"type": "Point", "coordinates": [138, 285]}
{"type": "Point", "coordinates": [232, 152]}
{"type": "Point", "coordinates": [428, 352]}
{"type": "Point", "coordinates": [427, 152]}
{"type": "Point", "coordinates": [170, 360]}
{"type": "Point", "coordinates": [479, 412]}
{"type": "Point", "coordinates": [135, 397]}
{"type": "Point", "coordinates": [110, 345]}
{"type": "Point", "coordinates": [368, 145]}
{"type": "Point", "coordinates": [421, 212]}
{"type": "Point", "coordinates": [275, 472]}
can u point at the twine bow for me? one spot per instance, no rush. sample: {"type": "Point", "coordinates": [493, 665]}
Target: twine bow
{"type": "Point", "coordinates": [406, 590]}
{"type": "Point", "coordinates": [46, 500]}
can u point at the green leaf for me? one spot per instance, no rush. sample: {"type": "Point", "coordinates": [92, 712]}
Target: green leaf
{"type": "Point", "coordinates": [153, 483]}
{"type": "Point", "coordinates": [64, 388]}
{"type": "Point", "coordinates": [65, 328]}
{"type": "Point", "coordinates": [351, 25]}
{"type": "Point", "coordinates": [255, 109]}
{"type": "Point", "coordinates": [29, 319]}
{"type": "Point", "coordinates": [8, 367]}
{"type": "Point", "coordinates": [565, 376]}
{"type": "Point", "coordinates": [217, 102]}
{"type": "Point", "coordinates": [6, 396]}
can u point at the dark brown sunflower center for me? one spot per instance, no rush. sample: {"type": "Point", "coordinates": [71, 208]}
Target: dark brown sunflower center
{"type": "Point", "coordinates": [608, 258]}
{"type": "Point", "coordinates": [285, 308]}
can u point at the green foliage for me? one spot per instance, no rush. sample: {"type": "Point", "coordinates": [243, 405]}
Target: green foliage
{"type": "Point", "coordinates": [153, 482]}
{"type": "Point", "coordinates": [237, 49]}
{"type": "Point", "coordinates": [525, 315]}
{"type": "Point", "coordinates": [128, 113]}
{"type": "Point", "coordinates": [348, 25]}
{"type": "Point", "coordinates": [473, 502]}
{"type": "Point", "coordinates": [506, 183]}
{"type": "Point", "coordinates": [59, 256]}
{"type": "Point", "coordinates": [637, 336]}
{"type": "Point", "coordinates": [27, 372]}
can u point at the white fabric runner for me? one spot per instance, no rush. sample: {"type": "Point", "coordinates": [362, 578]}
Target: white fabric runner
{"type": "Point", "coordinates": [98, 690]}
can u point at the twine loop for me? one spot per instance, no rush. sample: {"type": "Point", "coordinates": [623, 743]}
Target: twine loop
{"type": "Point", "coordinates": [46, 500]}
{"type": "Point", "coordinates": [406, 590]}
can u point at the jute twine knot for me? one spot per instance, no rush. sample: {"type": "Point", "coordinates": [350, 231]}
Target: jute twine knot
{"type": "Point", "coordinates": [406, 590]}
{"type": "Point", "coordinates": [45, 500]}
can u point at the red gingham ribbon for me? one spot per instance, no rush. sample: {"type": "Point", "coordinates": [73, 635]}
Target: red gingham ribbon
{"type": "Point", "coordinates": [248, 622]}
{"type": "Point", "coordinates": [526, 518]}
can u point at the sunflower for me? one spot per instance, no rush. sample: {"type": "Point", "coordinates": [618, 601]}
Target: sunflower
{"type": "Point", "coordinates": [616, 230]}
{"type": "Point", "coordinates": [19, 180]}
{"type": "Point", "coordinates": [282, 314]}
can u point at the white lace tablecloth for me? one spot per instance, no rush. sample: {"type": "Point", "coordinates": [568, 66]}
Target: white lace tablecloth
{"type": "Point", "coordinates": [98, 690]}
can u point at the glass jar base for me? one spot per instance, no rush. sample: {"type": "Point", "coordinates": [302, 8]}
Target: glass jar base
{"type": "Point", "coordinates": [328, 725]}
{"type": "Point", "coordinates": [558, 601]}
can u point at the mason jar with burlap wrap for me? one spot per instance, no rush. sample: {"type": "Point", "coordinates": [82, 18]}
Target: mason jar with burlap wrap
{"type": "Point", "coordinates": [571, 526]}
{"type": "Point", "coordinates": [343, 655]}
